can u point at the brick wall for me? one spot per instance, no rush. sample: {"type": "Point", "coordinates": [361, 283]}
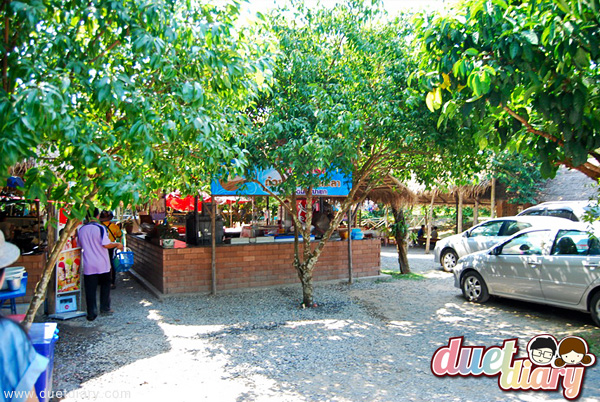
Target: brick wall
{"type": "Point", "coordinates": [239, 266]}
{"type": "Point", "coordinates": [148, 260]}
{"type": "Point", "coordinates": [34, 265]}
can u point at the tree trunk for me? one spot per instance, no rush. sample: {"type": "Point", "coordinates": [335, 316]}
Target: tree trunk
{"type": "Point", "coordinates": [401, 236]}
{"type": "Point", "coordinates": [42, 285]}
{"type": "Point", "coordinates": [476, 212]}
{"type": "Point", "coordinates": [305, 273]}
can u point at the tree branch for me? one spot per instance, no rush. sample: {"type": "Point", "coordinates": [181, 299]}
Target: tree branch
{"type": "Point", "coordinates": [530, 128]}
{"type": "Point", "coordinates": [111, 47]}
{"type": "Point", "coordinates": [587, 168]}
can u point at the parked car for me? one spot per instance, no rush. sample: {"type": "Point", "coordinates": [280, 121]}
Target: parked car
{"type": "Point", "coordinates": [447, 251]}
{"type": "Point", "coordinates": [557, 266]}
{"type": "Point", "coordinates": [572, 210]}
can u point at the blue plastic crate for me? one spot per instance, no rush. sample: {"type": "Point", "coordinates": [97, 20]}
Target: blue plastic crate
{"type": "Point", "coordinates": [43, 337]}
{"type": "Point", "coordinates": [125, 259]}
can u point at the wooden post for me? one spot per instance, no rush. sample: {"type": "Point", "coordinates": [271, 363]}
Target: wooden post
{"type": "Point", "coordinates": [350, 279]}
{"type": "Point", "coordinates": [429, 224]}
{"type": "Point", "coordinates": [213, 219]}
{"type": "Point", "coordinates": [459, 217]}
{"type": "Point", "coordinates": [476, 212]}
{"type": "Point", "coordinates": [268, 213]}
{"type": "Point", "coordinates": [52, 234]}
{"type": "Point", "coordinates": [493, 198]}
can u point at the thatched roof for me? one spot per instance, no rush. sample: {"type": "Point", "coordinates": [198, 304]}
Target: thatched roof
{"type": "Point", "coordinates": [449, 196]}
{"type": "Point", "coordinates": [391, 192]}
{"type": "Point", "coordinates": [20, 168]}
{"type": "Point", "coordinates": [567, 185]}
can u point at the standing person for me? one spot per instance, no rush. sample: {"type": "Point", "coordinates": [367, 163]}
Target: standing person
{"type": "Point", "coordinates": [114, 234]}
{"type": "Point", "coordinates": [20, 364]}
{"type": "Point", "coordinates": [94, 242]}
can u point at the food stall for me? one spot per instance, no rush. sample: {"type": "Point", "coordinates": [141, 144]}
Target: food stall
{"type": "Point", "coordinates": [261, 256]}
{"type": "Point", "coordinates": [21, 221]}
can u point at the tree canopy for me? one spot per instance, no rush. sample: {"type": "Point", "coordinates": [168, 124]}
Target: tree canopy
{"type": "Point", "coordinates": [116, 100]}
{"type": "Point", "coordinates": [341, 101]}
{"type": "Point", "coordinates": [523, 74]}
{"type": "Point", "coordinates": [120, 98]}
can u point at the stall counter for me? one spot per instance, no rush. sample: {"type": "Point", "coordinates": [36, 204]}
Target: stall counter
{"type": "Point", "coordinates": [239, 266]}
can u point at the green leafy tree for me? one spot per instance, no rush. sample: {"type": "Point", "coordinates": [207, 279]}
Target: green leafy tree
{"type": "Point", "coordinates": [116, 100]}
{"type": "Point", "coordinates": [341, 102]}
{"type": "Point", "coordinates": [524, 74]}
{"type": "Point", "coordinates": [519, 174]}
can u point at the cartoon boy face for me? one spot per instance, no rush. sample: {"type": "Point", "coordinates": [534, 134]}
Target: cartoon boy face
{"type": "Point", "coordinates": [572, 357]}
{"type": "Point", "coordinates": [542, 349]}
{"type": "Point", "coordinates": [542, 356]}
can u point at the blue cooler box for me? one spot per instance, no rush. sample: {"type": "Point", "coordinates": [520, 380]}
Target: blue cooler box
{"type": "Point", "coordinates": [43, 337]}
{"type": "Point", "coordinates": [357, 234]}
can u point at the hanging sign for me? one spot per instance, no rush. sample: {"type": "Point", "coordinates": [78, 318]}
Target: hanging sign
{"type": "Point", "coordinates": [338, 185]}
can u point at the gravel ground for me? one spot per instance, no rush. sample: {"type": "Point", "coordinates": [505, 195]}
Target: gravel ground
{"type": "Point", "coordinates": [370, 341]}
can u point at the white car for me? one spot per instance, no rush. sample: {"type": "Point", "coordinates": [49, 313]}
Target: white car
{"type": "Point", "coordinates": [485, 235]}
{"type": "Point", "coordinates": [572, 210]}
{"type": "Point", "coordinates": [557, 266]}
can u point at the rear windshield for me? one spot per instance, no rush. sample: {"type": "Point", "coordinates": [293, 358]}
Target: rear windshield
{"type": "Point", "coordinates": [562, 213]}
{"type": "Point", "coordinates": [559, 213]}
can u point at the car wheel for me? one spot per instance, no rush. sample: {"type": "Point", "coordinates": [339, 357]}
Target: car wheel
{"type": "Point", "coordinates": [595, 309]}
{"type": "Point", "coordinates": [448, 259]}
{"type": "Point", "coordinates": [474, 288]}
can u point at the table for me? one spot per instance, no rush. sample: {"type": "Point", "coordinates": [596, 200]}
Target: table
{"type": "Point", "coordinates": [11, 295]}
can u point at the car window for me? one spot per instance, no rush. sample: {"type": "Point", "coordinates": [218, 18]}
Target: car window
{"type": "Point", "coordinates": [487, 229]}
{"type": "Point", "coordinates": [534, 212]}
{"type": "Point", "coordinates": [532, 243]}
{"type": "Point", "coordinates": [576, 242]}
{"type": "Point", "coordinates": [512, 227]}
{"type": "Point", "coordinates": [562, 213]}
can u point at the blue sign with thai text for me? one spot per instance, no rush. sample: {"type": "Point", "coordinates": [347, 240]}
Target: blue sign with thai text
{"type": "Point", "coordinates": [338, 185]}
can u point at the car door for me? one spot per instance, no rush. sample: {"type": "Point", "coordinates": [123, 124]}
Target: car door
{"type": "Point", "coordinates": [573, 264]}
{"type": "Point", "coordinates": [483, 236]}
{"type": "Point", "coordinates": [514, 270]}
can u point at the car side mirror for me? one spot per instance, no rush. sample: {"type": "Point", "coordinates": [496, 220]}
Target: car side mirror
{"type": "Point", "coordinates": [466, 233]}
{"type": "Point", "coordinates": [497, 250]}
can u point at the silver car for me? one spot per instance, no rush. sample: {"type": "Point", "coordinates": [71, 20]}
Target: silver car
{"type": "Point", "coordinates": [485, 235]}
{"type": "Point", "coordinates": [558, 266]}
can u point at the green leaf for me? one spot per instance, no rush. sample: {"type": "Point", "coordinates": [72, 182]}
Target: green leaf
{"type": "Point", "coordinates": [582, 58]}
{"type": "Point", "coordinates": [514, 49]}
{"type": "Point", "coordinates": [531, 37]}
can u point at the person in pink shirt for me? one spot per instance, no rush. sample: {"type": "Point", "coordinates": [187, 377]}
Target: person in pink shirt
{"type": "Point", "coordinates": [94, 241]}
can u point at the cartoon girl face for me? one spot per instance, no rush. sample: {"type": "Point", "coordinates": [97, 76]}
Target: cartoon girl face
{"type": "Point", "coordinates": [573, 350]}
{"type": "Point", "coordinates": [572, 357]}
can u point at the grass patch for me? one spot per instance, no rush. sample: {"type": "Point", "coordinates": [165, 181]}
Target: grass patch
{"type": "Point", "coordinates": [398, 275]}
{"type": "Point", "coordinates": [593, 340]}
